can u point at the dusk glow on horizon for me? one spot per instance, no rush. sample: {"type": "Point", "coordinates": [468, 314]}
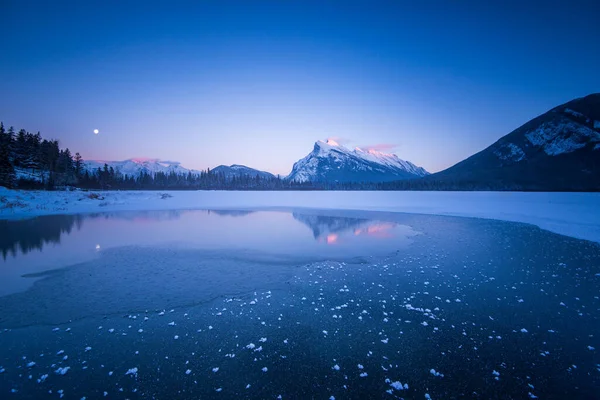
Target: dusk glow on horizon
{"type": "Point", "coordinates": [257, 83]}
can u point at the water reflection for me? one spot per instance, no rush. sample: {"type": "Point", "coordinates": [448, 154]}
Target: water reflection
{"type": "Point", "coordinates": [332, 230]}
{"type": "Point", "coordinates": [378, 229]}
{"type": "Point", "coordinates": [33, 234]}
{"type": "Point", "coordinates": [48, 243]}
{"type": "Point", "coordinates": [24, 236]}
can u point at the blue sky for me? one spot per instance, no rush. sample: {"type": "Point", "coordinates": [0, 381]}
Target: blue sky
{"type": "Point", "coordinates": [257, 83]}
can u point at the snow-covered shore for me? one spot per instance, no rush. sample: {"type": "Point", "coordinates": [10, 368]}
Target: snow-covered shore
{"type": "Point", "coordinates": [572, 214]}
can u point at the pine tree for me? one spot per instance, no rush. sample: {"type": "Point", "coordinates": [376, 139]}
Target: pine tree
{"type": "Point", "coordinates": [67, 161]}
{"type": "Point", "coordinates": [104, 175]}
{"type": "Point", "coordinates": [20, 148]}
{"type": "Point", "coordinates": [4, 138]}
{"type": "Point", "coordinates": [7, 172]}
{"type": "Point", "coordinates": [33, 154]}
{"type": "Point", "coordinates": [78, 165]}
{"type": "Point", "coordinates": [11, 145]}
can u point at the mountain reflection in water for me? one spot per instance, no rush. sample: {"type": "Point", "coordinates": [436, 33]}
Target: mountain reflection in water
{"type": "Point", "coordinates": [39, 245]}
{"type": "Point", "coordinates": [24, 236]}
{"type": "Point", "coordinates": [333, 230]}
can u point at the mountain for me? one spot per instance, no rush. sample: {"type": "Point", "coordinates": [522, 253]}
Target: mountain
{"type": "Point", "coordinates": [135, 166]}
{"type": "Point", "coordinates": [240, 170]}
{"type": "Point", "coordinates": [331, 162]}
{"type": "Point", "coordinates": [558, 150]}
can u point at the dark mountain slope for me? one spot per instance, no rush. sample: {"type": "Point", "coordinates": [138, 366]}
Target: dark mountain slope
{"type": "Point", "coordinates": [558, 150]}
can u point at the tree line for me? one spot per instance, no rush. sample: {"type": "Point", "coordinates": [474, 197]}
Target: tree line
{"type": "Point", "coordinates": [27, 161]}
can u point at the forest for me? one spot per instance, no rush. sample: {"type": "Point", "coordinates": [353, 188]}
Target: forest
{"type": "Point", "coordinates": [28, 161]}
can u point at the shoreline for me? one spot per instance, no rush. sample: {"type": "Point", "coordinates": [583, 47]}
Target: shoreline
{"type": "Point", "coordinates": [569, 214]}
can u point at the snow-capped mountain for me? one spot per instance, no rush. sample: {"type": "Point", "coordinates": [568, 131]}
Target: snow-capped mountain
{"type": "Point", "coordinates": [558, 150]}
{"type": "Point", "coordinates": [237, 171]}
{"type": "Point", "coordinates": [135, 166]}
{"type": "Point", "coordinates": [332, 162]}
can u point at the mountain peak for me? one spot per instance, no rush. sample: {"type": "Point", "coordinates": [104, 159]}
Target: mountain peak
{"type": "Point", "coordinates": [332, 162]}
{"type": "Point", "coordinates": [328, 144]}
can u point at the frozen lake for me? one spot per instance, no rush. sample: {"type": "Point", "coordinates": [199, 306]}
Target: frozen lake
{"type": "Point", "coordinates": [295, 303]}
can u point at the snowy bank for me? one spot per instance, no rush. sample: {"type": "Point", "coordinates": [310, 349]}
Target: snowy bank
{"type": "Point", "coordinates": [571, 214]}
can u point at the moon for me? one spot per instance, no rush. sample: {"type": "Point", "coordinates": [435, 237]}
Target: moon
{"type": "Point", "coordinates": [96, 131]}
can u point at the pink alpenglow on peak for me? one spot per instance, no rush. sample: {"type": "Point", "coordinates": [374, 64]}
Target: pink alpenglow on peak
{"type": "Point", "coordinates": [331, 162]}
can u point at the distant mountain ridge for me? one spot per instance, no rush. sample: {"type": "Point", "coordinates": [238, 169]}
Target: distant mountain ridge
{"type": "Point", "coordinates": [558, 150]}
{"type": "Point", "coordinates": [135, 166]}
{"type": "Point", "coordinates": [238, 171]}
{"type": "Point", "coordinates": [331, 162]}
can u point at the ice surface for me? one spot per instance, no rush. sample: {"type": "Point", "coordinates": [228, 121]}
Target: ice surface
{"type": "Point", "coordinates": [481, 263]}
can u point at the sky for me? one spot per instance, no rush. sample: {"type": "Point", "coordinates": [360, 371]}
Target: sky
{"type": "Point", "coordinates": [257, 83]}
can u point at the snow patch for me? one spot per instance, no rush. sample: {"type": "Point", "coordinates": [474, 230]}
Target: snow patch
{"type": "Point", "coordinates": [62, 371]}
{"type": "Point", "coordinates": [574, 113]}
{"type": "Point", "coordinates": [563, 136]}
{"type": "Point", "coordinates": [399, 386]}
{"type": "Point", "coordinates": [436, 373]}
{"type": "Point", "coordinates": [510, 152]}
